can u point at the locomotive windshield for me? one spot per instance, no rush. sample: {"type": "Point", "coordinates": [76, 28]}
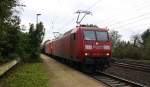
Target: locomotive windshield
{"type": "Point", "coordinates": [101, 36]}
{"type": "Point", "coordinates": [89, 35]}
{"type": "Point", "coordinates": [95, 35]}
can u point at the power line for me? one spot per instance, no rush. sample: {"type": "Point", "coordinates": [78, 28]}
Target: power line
{"type": "Point", "coordinates": [131, 19]}
{"type": "Point", "coordinates": [67, 23]}
{"type": "Point", "coordinates": [94, 4]}
{"type": "Point", "coordinates": [133, 22]}
{"type": "Point", "coordinates": [113, 18]}
{"type": "Point", "coordinates": [70, 21]}
{"type": "Point", "coordinates": [120, 21]}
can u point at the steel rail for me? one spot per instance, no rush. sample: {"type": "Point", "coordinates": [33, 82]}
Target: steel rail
{"type": "Point", "coordinates": [133, 62]}
{"type": "Point", "coordinates": [133, 66]}
{"type": "Point", "coordinates": [114, 81]}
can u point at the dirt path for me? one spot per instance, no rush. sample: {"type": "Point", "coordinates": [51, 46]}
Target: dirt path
{"type": "Point", "coordinates": [62, 76]}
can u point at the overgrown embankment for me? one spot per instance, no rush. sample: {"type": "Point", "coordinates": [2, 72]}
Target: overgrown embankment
{"type": "Point", "coordinates": [26, 75]}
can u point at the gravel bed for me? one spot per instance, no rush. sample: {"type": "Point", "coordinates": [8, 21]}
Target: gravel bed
{"type": "Point", "coordinates": [130, 74]}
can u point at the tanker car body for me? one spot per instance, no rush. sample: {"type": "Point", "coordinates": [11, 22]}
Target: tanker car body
{"type": "Point", "coordinates": [85, 45]}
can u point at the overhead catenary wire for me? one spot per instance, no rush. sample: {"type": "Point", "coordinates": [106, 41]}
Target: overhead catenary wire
{"type": "Point", "coordinates": [132, 20]}
{"type": "Point", "coordinates": [67, 23]}
{"type": "Point", "coordinates": [94, 4]}
{"type": "Point", "coordinates": [129, 20]}
{"type": "Point", "coordinates": [113, 19]}
{"type": "Point", "coordinates": [137, 9]}
{"type": "Point", "coordinates": [70, 21]}
{"type": "Point", "coordinates": [132, 25]}
{"type": "Point", "coordinates": [53, 20]}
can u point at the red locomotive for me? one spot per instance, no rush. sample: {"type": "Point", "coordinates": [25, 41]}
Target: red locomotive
{"type": "Point", "coordinates": [88, 46]}
{"type": "Point", "coordinates": [47, 47]}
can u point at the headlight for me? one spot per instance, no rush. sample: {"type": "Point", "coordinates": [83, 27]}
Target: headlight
{"type": "Point", "coordinates": [106, 47]}
{"type": "Point", "coordinates": [107, 54]}
{"type": "Point", "coordinates": [86, 54]}
{"type": "Point", "coordinates": [88, 47]}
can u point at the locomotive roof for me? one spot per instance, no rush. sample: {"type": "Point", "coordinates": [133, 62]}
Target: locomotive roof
{"type": "Point", "coordinates": [93, 28]}
{"type": "Point", "coordinates": [80, 27]}
{"type": "Point", "coordinates": [85, 28]}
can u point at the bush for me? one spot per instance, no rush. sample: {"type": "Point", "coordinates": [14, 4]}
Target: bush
{"type": "Point", "coordinates": [129, 51]}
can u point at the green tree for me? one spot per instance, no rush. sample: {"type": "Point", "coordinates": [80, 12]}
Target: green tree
{"type": "Point", "coordinates": [13, 42]}
{"type": "Point", "coordinates": [36, 37]}
{"type": "Point", "coordinates": [115, 37]}
{"type": "Point", "coordinates": [145, 36]}
{"type": "Point", "coordinates": [6, 9]}
{"type": "Point", "coordinates": [137, 40]}
{"type": "Point", "coordinates": [24, 45]}
{"type": "Point", "coordinates": [9, 29]}
{"type": "Point", "coordinates": [146, 43]}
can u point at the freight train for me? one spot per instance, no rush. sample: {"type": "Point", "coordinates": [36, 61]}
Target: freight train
{"type": "Point", "coordinates": [87, 46]}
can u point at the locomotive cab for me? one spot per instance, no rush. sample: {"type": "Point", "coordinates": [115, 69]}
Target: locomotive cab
{"type": "Point", "coordinates": [96, 47]}
{"type": "Point", "coordinates": [96, 43]}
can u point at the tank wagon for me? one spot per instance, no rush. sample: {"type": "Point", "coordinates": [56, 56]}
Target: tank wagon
{"type": "Point", "coordinates": [88, 46]}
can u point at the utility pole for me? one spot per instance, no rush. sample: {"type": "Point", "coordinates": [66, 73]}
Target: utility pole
{"type": "Point", "coordinates": [37, 18]}
{"type": "Point", "coordinates": [52, 25]}
{"type": "Point", "coordinates": [79, 12]}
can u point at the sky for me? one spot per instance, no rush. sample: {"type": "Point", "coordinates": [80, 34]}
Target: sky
{"type": "Point", "coordinates": [128, 17]}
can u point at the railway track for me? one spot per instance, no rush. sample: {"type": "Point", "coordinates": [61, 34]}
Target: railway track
{"type": "Point", "coordinates": [114, 81]}
{"type": "Point", "coordinates": [132, 62]}
{"type": "Point", "coordinates": [134, 66]}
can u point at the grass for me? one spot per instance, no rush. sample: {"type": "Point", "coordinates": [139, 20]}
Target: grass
{"type": "Point", "coordinates": [26, 75]}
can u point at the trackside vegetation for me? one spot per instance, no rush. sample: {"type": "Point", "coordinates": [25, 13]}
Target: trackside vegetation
{"type": "Point", "coordinates": [138, 48]}
{"type": "Point", "coordinates": [26, 75]}
{"type": "Point", "coordinates": [30, 43]}
{"type": "Point", "coordinates": [14, 43]}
